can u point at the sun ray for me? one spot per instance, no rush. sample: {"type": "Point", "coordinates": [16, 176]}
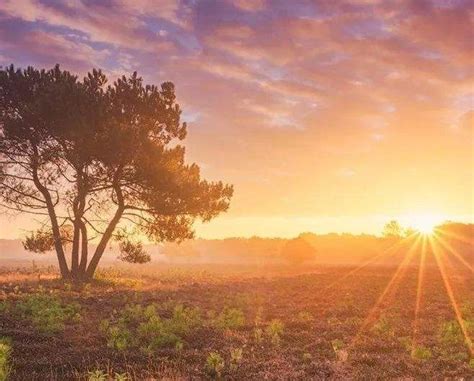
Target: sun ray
{"type": "Point", "coordinates": [419, 289]}
{"type": "Point", "coordinates": [386, 252]}
{"type": "Point", "coordinates": [397, 275]}
{"type": "Point", "coordinates": [440, 231]}
{"type": "Point", "coordinates": [437, 254]}
{"type": "Point", "coordinates": [453, 251]}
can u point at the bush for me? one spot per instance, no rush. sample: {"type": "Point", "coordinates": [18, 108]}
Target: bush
{"type": "Point", "coordinates": [236, 355]}
{"type": "Point", "coordinates": [230, 318]}
{"type": "Point", "coordinates": [46, 312]}
{"type": "Point", "coordinates": [214, 364]}
{"type": "Point", "coordinates": [5, 352]}
{"type": "Point", "coordinates": [274, 331]}
{"type": "Point", "coordinates": [143, 328]}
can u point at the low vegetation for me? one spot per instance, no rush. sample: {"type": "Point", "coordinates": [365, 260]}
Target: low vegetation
{"type": "Point", "coordinates": [207, 326]}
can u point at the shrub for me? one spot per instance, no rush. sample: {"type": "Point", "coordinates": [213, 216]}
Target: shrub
{"type": "Point", "coordinates": [274, 331]}
{"type": "Point", "coordinates": [236, 355]}
{"type": "Point", "coordinates": [97, 375]}
{"type": "Point", "coordinates": [5, 352]}
{"type": "Point", "coordinates": [214, 364]}
{"type": "Point", "coordinates": [230, 318]}
{"type": "Point", "coordinates": [142, 327]}
{"type": "Point", "coordinates": [46, 312]}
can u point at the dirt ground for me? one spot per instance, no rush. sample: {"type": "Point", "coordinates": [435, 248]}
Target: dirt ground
{"type": "Point", "coordinates": [339, 323]}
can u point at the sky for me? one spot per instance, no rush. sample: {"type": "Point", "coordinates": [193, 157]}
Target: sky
{"type": "Point", "coordinates": [327, 116]}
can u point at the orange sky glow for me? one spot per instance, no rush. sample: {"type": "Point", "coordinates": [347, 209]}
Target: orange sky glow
{"type": "Point", "coordinates": [327, 116]}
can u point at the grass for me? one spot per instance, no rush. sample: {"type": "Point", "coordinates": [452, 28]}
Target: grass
{"type": "Point", "coordinates": [5, 354]}
{"type": "Point", "coordinates": [47, 313]}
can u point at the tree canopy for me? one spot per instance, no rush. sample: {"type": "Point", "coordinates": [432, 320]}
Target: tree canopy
{"type": "Point", "coordinates": [97, 162]}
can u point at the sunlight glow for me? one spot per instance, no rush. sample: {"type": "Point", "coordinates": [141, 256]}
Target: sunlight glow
{"type": "Point", "coordinates": [449, 290]}
{"type": "Point", "coordinates": [424, 224]}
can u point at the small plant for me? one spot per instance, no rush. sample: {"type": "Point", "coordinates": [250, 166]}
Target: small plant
{"type": "Point", "coordinates": [5, 352]}
{"type": "Point", "coordinates": [337, 345]}
{"type": "Point", "coordinates": [236, 355]}
{"type": "Point", "coordinates": [143, 328]}
{"type": "Point", "coordinates": [258, 335]}
{"type": "Point", "coordinates": [421, 353]}
{"type": "Point", "coordinates": [230, 318]}
{"type": "Point", "coordinates": [97, 375]}
{"type": "Point", "coordinates": [274, 331]}
{"type": "Point", "coordinates": [214, 365]}
{"type": "Point", "coordinates": [338, 348]}
{"type": "Point", "coordinates": [121, 377]}
{"type": "Point", "coordinates": [383, 327]}
{"type": "Point", "coordinates": [305, 317]}
{"type": "Point", "coordinates": [307, 357]}
{"type": "Point", "coordinates": [46, 312]}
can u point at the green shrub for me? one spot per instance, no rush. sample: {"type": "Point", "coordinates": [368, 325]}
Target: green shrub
{"type": "Point", "coordinates": [230, 318]}
{"type": "Point", "coordinates": [5, 352]}
{"type": "Point", "coordinates": [47, 313]}
{"type": "Point", "coordinates": [143, 328]}
{"type": "Point", "coordinates": [274, 331]}
{"type": "Point", "coordinates": [214, 364]}
{"type": "Point", "coordinates": [421, 353]}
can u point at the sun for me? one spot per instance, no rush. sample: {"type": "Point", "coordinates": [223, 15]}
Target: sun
{"type": "Point", "coordinates": [425, 224]}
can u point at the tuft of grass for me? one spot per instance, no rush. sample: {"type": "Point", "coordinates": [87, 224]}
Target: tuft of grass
{"type": "Point", "coordinates": [421, 353]}
{"type": "Point", "coordinates": [5, 353]}
{"type": "Point", "coordinates": [236, 355]}
{"type": "Point", "coordinates": [214, 365]}
{"type": "Point", "coordinates": [274, 331]}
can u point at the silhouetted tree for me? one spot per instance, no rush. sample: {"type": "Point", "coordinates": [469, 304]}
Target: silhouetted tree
{"type": "Point", "coordinates": [393, 229]}
{"type": "Point", "coordinates": [93, 160]}
{"type": "Point", "coordinates": [298, 251]}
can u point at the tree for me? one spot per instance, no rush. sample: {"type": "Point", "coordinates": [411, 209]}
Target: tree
{"type": "Point", "coordinates": [298, 251]}
{"type": "Point", "coordinates": [94, 161]}
{"type": "Point", "coordinates": [393, 229]}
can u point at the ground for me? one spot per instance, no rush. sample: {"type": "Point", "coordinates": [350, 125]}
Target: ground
{"type": "Point", "coordinates": [320, 323]}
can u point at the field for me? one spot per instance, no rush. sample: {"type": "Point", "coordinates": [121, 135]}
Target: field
{"type": "Point", "coordinates": [205, 323]}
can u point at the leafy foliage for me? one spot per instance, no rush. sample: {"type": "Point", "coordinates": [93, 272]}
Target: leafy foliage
{"type": "Point", "coordinates": [274, 331]}
{"type": "Point", "coordinates": [133, 252]}
{"type": "Point", "coordinates": [143, 328]}
{"type": "Point", "coordinates": [102, 157]}
{"type": "Point", "coordinates": [230, 318]}
{"type": "Point", "coordinates": [214, 364]}
{"type": "Point", "coordinates": [47, 313]}
{"type": "Point", "coordinates": [5, 352]}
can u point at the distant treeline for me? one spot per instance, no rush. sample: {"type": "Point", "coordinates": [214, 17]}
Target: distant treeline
{"type": "Point", "coordinates": [328, 248]}
{"type": "Point", "coordinates": [455, 242]}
